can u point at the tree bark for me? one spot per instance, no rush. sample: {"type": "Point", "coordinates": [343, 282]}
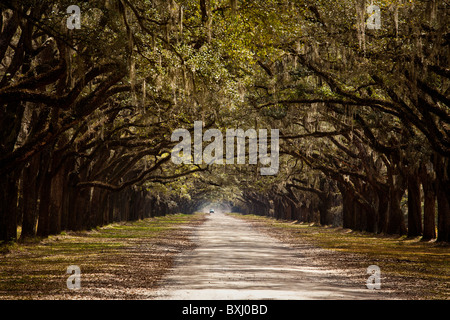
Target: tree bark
{"type": "Point", "coordinates": [43, 228]}
{"type": "Point", "coordinates": [443, 198]}
{"type": "Point", "coordinates": [396, 221]}
{"type": "Point", "coordinates": [82, 209]}
{"type": "Point", "coordinates": [73, 192]}
{"type": "Point", "coordinates": [414, 206]}
{"type": "Point", "coordinates": [383, 207]}
{"type": "Point", "coordinates": [429, 213]}
{"type": "Point", "coordinates": [443, 214]}
{"type": "Point", "coordinates": [348, 208]}
{"type": "Point", "coordinates": [357, 216]}
{"type": "Point", "coordinates": [56, 202]}
{"type": "Point", "coordinates": [30, 192]}
{"type": "Point", "coordinates": [325, 217]}
{"type": "Point", "coordinates": [8, 207]}
{"type": "Point", "coordinates": [429, 206]}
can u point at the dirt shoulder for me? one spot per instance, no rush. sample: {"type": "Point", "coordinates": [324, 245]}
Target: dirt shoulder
{"type": "Point", "coordinates": [117, 261]}
{"type": "Point", "coordinates": [410, 269]}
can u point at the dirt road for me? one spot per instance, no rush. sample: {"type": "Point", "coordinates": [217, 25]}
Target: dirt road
{"type": "Point", "coordinates": [232, 260]}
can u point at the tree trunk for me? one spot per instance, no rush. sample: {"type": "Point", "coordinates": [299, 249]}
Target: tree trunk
{"type": "Point", "coordinates": [95, 210]}
{"type": "Point", "coordinates": [348, 208]}
{"type": "Point", "coordinates": [442, 168]}
{"type": "Point", "coordinates": [396, 221]}
{"type": "Point", "coordinates": [8, 206]}
{"type": "Point", "coordinates": [67, 190]}
{"type": "Point", "coordinates": [357, 216]}
{"type": "Point", "coordinates": [10, 123]}
{"type": "Point", "coordinates": [73, 192]}
{"type": "Point", "coordinates": [429, 205]}
{"type": "Point", "coordinates": [443, 200]}
{"type": "Point", "coordinates": [414, 206]}
{"type": "Point", "coordinates": [56, 202]}
{"type": "Point", "coordinates": [30, 190]}
{"type": "Point", "coordinates": [82, 209]}
{"type": "Point", "coordinates": [429, 213]}
{"type": "Point", "coordinates": [370, 219]}
{"type": "Point", "coordinates": [288, 211]}
{"type": "Point", "coordinates": [325, 217]}
{"type": "Point", "coordinates": [104, 208]}
{"type": "Point", "coordinates": [43, 227]}
{"type": "Point", "coordinates": [383, 206]}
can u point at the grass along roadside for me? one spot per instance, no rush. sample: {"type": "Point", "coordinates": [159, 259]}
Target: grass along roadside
{"type": "Point", "coordinates": [117, 261]}
{"type": "Point", "coordinates": [411, 269]}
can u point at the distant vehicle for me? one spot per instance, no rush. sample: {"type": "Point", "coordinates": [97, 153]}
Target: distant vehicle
{"type": "Point", "coordinates": [211, 210]}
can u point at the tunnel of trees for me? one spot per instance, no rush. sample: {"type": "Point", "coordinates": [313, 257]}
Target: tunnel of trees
{"type": "Point", "coordinates": [86, 115]}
